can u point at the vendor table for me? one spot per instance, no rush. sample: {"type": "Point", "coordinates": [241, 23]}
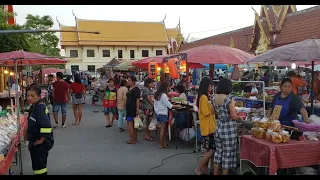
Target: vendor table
{"type": "Point", "coordinates": [263, 153]}
{"type": "Point", "coordinates": [6, 163]}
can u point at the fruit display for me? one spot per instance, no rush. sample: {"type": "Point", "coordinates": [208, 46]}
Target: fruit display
{"type": "Point", "coordinates": [285, 136]}
{"type": "Point", "coordinates": [276, 138]}
{"type": "Point", "coordinates": [8, 130]}
{"type": "Point", "coordinates": [269, 130]}
{"type": "Point", "coordinates": [275, 126]}
{"type": "Point", "coordinates": [264, 123]}
{"type": "Point", "coordinates": [269, 134]}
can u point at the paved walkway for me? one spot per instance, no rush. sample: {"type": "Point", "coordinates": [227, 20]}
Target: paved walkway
{"type": "Point", "coordinates": [91, 148]}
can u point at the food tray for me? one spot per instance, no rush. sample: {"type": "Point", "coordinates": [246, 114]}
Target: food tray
{"type": "Point", "coordinates": [306, 127]}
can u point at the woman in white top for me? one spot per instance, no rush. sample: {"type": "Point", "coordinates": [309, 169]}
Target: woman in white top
{"type": "Point", "coordinates": [161, 105]}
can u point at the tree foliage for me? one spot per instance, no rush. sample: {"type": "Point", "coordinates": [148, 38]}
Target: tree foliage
{"type": "Point", "coordinates": [43, 43]}
{"type": "Point", "coordinates": [12, 42]}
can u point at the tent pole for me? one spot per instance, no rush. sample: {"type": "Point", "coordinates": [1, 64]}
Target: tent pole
{"type": "Point", "coordinates": [312, 80]}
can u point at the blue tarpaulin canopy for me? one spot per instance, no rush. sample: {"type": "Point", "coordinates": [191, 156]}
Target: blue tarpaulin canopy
{"type": "Point", "coordinates": [216, 66]}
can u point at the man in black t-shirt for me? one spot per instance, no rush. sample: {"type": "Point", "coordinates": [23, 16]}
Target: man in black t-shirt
{"type": "Point", "coordinates": [132, 108]}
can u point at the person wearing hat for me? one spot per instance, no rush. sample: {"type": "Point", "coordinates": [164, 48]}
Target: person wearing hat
{"type": "Point", "coordinates": [147, 106]}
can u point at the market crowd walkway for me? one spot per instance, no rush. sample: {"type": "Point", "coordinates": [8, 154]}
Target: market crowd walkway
{"type": "Point", "coordinates": [93, 149]}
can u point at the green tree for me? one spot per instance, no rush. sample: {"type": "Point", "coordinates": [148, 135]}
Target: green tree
{"type": "Point", "coordinates": [43, 43]}
{"type": "Point", "coordinates": [12, 42]}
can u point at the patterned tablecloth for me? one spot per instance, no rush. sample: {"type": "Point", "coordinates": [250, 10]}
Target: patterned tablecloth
{"type": "Point", "coordinates": [6, 163]}
{"type": "Point", "coordinates": [267, 154]}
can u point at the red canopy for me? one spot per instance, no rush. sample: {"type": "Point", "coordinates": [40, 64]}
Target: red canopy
{"type": "Point", "coordinates": [28, 58]}
{"type": "Point", "coordinates": [216, 54]}
{"type": "Point", "coordinates": [48, 71]}
{"type": "Point", "coordinates": [143, 63]}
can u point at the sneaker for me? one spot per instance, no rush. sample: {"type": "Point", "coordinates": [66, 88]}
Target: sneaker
{"type": "Point", "coordinates": [55, 125]}
{"type": "Point", "coordinates": [64, 126]}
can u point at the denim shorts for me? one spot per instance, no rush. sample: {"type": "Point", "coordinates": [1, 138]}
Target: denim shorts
{"type": "Point", "coordinates": [107, 111]}
{"type": "Point", "coordinates": [162, 118]}
{"type": "Point", "coordinates": [128, 118]}
{"type": "Point", "coordinates": [57, 106]}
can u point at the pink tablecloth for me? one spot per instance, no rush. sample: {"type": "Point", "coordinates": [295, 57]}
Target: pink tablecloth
{"type": "Point", "coordinates": [292, 154]}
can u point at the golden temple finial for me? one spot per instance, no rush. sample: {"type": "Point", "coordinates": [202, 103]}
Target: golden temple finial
{"type": "Point", "coordinates": [254, 10]}
{"type": "Point", "coordinates": [232, 43]}
{"type": "Point", "coordinates": [179, 27]}
{"type": "Point", "coordinates": [165, 16]}
{"type": "Point", "coordinates": [74, 14]}
{"type": "Point", "coordinates": [58, 21]}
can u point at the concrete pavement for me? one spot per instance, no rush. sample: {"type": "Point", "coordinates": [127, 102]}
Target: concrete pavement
{"type": "Point", "coordinates": [93, 149]}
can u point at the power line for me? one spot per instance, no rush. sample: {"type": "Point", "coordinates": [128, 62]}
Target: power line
{"type": "Point", "coordinates": [218, 28]}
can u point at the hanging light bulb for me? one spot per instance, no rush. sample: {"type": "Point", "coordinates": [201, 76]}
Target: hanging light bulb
{"type": "Point", "coordinates": [11, 73]}
{"type": "Point", "coordinates": [293, 66]}
{"type": "Point", "coordinates": [286, 68]}
{"type": "Point", "coordinates": [6, 71]}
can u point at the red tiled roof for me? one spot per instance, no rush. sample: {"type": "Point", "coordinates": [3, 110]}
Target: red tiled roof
{"type": "Point", "coordinates": [241, 38]}
{"type": "Point", "coordinates": [299, 26]}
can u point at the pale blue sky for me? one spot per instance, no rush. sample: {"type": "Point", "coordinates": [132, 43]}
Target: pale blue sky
{"type": "Point", "coordinates": [199, 21]}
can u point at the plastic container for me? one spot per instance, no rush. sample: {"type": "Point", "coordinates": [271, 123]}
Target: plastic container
{"type": "Point", "coordinates": [3, 113]}
{"type": "Point", "coordinates": [302, 126]}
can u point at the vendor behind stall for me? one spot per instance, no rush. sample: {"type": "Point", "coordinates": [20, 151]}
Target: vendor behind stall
{"type": "Point", "coordinates": [290, 104]}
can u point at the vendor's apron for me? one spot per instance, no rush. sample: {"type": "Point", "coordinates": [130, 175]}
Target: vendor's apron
{"type": "Point", "coordinates": [285, 115]}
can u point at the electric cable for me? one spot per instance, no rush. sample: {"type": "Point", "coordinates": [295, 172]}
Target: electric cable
{"type": "Point", "coordinates": [162, 161]}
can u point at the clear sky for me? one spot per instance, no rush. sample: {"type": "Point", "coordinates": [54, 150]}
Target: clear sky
{"type": "Point", "coordinates": [199, 21]}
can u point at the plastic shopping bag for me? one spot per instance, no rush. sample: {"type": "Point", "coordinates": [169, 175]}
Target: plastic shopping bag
{"type": "Point", "coordinates": [153, 124]}
{"type": "Point", "coordinates": [254, 90]}
{"type": "Point", "coordinates": [136, 121]}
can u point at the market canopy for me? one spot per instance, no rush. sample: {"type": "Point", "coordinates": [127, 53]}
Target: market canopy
{"type": "Point", "coordinates": [124, 66]}
{"type": "Point", "coordinates": [28, 58]}
{"type": "Point", "coordinates": [144, 63]}
{"type": "Point", "coordinates": [48, 71]}
{"type": "Point", "coordinates": [307, 50]}
{"type": "Point", "coordinates": [216, 54]}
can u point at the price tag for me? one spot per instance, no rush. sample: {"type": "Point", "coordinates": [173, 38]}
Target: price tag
{"type": "Point", "coordinates": [276, 112]}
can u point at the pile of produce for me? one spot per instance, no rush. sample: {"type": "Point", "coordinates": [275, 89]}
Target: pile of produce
{"type": "Point", "coordinates": [269, 130]}
{"type": "Point", "coordinates": [8, 130]}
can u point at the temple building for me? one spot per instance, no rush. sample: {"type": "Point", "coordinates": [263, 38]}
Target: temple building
{"type": "Point", "coordinates": [274, 26]}
{"type": "Point", "coordinates": [120, 40]}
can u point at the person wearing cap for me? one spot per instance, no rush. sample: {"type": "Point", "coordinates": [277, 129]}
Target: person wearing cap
{"type": "Point", "coordinates": [147, 106]}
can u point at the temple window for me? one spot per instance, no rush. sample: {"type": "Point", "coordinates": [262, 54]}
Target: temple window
{"type": "Point", "coordinates": [74, 68]}
{"type": "Point", "coordinates": [105, 53]}
{"type": "Point", "coordinates": [145, 53]}
{"type": "Point", "coordinates": [120, 54]}
{"type": "Point", "coordinates": [90, 53]}
{"type": "Point", "coordinates": [91, 68]}
{"type": "Point", "coordinates": [73, 53]}
{"type": "Point", "coordinates": [132, 54]}
{"type": "Point", "coordinates": [158, 52]}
